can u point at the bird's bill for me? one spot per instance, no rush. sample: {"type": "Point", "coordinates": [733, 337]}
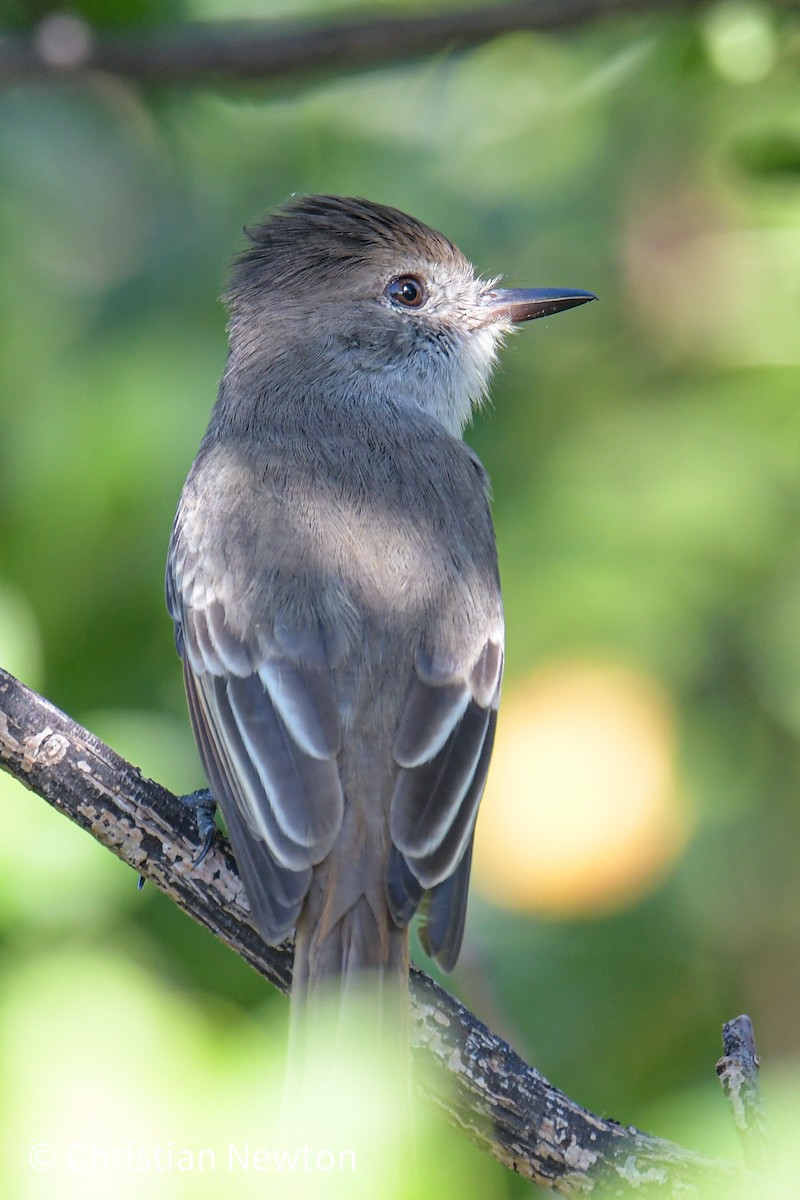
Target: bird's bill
{"type": "Point", "coordinates": [525, 304]}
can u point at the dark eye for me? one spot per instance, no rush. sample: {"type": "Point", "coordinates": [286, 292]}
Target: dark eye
{"type": "Point", "coordinates": [407, 290]}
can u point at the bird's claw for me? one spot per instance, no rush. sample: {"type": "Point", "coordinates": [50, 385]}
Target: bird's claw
{"type": "Point", "coordinates": [203, 805]}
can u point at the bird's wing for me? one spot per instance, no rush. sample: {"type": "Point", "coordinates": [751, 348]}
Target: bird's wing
{"type": "Point", "coordinates": [442, 748]}
{"type": "Point", "coordinates": [268, 729]}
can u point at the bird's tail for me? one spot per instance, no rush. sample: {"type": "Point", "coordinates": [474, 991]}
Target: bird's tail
{"type": "Point", "coordinates": [349, 1033]}
{"type": "Point", "coordinates": [350, 955]}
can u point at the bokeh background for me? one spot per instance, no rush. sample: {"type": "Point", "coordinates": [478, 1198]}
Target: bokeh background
{"type": "Point", "coordinates": [638, 868]}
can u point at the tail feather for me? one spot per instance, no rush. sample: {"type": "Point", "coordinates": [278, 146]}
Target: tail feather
{"type": "Point", "coordinates": [350, 989]}
{"type": "Point", "coordinates": [357, 964]}
{"type": "Point", "coordinates": [348, 1078]}
{"type": "Point", "coordinates": [360, 1005]}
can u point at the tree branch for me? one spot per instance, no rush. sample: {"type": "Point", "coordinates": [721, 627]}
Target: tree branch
{"type": "Point", "coordinates": [738, 1074]}
{"type": "Point", "coordinates": [483, 1088]}
{"type": "Point", "coordinates": [65, 46]}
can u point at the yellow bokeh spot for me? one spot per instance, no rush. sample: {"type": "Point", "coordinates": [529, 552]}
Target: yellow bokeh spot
{"type": "Point", "coordinates": [582, 812]}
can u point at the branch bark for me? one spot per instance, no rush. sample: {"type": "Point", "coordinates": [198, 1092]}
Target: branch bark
{"type": "Point", "coordinates": [738, 1074]}
{"type": "Point", "coordinates": [64, 46]}
{"type": "Point", "coordinates": [483, 1088]}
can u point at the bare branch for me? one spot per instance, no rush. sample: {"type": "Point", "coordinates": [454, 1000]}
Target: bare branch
{"type": "Point", "coordinates": [484, 1088]}
{"type": "Point", "coordinates": [65, 46]}
{"type": "Point", "coordinates": [738, 1074]}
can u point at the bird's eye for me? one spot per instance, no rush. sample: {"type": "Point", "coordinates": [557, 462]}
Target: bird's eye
{"type": "Point", "coordinates": [407, 290]}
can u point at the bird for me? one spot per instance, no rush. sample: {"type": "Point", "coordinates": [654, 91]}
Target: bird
{"type": "Point", "coordinates": [332, 577]}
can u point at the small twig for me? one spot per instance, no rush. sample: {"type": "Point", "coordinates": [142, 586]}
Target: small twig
{"type": "Point", "coordinates": [738, 1074]}
{"type": "Point", "coordinates": [483, 1088]}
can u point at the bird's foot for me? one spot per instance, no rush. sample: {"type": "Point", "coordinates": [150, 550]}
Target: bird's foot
{"type": "Point", "coordinates": [204, 806]}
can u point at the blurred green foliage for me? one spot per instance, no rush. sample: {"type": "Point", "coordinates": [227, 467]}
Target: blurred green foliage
{"type": "Point", "coordinates": [645, 456]}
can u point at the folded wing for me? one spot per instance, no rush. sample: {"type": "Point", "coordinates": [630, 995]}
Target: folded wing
{"type": "Point", "coordinates": [268, 731]}
{"type": "Point", "coordinates": [442, 748]}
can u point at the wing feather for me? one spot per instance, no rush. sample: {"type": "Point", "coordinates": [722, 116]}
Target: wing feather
{"type": "Point", "coordinates": [202, 655]}
{"type": "Point", "coordinates": [268, 731]}
{"type": "Point", "coordinates": [433, 868]}
{"type": "Point", "coordinates": [443, 748]}
{"type": "Point", "coordinates": [275, 893]}
{"type": "Point", "coordinates": [243, 779]}
{"type": "Point", "coordinates": [403, 890]}
{"type": "Point", "coordinates": [232, 654]}
{"type": "Point", "coordinates": [306, 702]}
{"type": "Point", "coordinates": [429, 718]}
{"type": "Point", "coordinates": [304, 793]}
{"type": "Point", "coordinates": [441, 930]}
{"type": "Point", "coordinates": [427, 798]}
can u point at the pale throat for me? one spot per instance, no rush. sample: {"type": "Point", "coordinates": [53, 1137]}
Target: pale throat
{"type": "Point", "coordinates": [453, 391]}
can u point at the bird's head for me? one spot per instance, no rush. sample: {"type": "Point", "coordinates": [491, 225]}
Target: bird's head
{"type": "Point", "coordinates": [358, 296]}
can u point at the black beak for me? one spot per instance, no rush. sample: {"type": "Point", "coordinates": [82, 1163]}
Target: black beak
{"type": "Point", "coordinates": [525, 304]}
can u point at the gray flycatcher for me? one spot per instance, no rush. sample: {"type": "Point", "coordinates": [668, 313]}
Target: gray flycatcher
{"type": "Point", "coordinates": [333, 580]}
